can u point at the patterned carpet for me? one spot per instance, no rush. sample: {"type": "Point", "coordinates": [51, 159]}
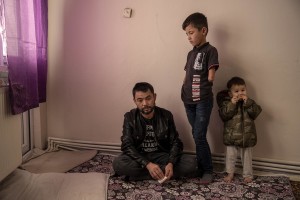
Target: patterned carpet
{"type": "Point", "coordinates": [296, 189]}
{"type": "Point", "coordinates": [263, 187]}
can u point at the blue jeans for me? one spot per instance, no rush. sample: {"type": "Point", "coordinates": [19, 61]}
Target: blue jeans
{"type": "Point", "coordinates": [198, 116]}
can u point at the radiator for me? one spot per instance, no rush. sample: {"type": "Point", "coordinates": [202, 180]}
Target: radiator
{"type": "Point", "coordinates": [263, 164]}
{"type": "Point", "coordinates": [10, 136]}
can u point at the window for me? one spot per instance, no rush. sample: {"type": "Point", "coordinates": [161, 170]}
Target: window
{"type": "Point", "coordinates": [3, 48]}
{"type": "Point", "coordinates": [26, 128]}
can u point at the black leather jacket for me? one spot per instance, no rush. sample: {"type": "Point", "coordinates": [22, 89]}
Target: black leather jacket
{"type": "Point", "coordinates": [165, 134]}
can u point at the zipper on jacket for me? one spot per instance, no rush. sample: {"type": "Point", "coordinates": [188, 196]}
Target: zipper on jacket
{"type": "Point", "coordinates": [242, 124]}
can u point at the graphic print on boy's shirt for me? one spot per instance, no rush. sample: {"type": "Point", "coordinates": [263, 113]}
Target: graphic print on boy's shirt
{"type": "Point", "coordinates": [149, 144]}
{"type": "Point", "coordinates": [198, 64]}
{"type": "Point", "coordinates": [196, 87]}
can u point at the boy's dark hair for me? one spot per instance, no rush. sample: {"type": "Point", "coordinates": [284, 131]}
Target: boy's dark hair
{"type": "Point", "coordinates": [198, 20]}
{"type": "Point", "coordinates": [235, 81]}
{"type": "Point", "coordinates": [142, 87]}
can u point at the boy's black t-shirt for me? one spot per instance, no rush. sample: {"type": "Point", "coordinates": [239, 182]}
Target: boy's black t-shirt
{"type": "Point", "coordinates": [196, 86]}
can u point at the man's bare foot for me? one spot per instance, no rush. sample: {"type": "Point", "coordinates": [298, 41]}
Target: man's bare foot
{"type": "Point", "coordinates": [229, 178]}
{"type": "Point", "coordinates": [248, 180]}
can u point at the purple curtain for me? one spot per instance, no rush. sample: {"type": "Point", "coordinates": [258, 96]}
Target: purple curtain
{"type": "Point", "coordinates": [26, 32]}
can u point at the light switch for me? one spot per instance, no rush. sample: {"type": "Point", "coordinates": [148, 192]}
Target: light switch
{"type": "Point", "coordinates": [127, 12]}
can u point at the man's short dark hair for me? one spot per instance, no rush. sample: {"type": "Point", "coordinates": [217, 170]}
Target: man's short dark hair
{"type": "Point", "coordinates": [198, 20]}
{"type": "Point", "coordinates": [235, 81]}
{"type": "Point", "coordinates": [142, 87]}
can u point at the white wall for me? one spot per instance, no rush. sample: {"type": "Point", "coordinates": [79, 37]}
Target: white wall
{"type": "Point", "coordinates": [96, 56]}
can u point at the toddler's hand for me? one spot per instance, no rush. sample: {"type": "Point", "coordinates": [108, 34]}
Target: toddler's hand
{"type": "Point", "coordinates": [243, 97]}
{"type": "Point", "coordinates": [234, 100]}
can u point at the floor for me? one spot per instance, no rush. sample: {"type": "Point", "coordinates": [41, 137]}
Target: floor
{"type": "Point", "coordinates": [268, 186]}
{"type": "Point", "coordinates": [294, 179]}
{"type": "Point", "coordinates": [296, 189]}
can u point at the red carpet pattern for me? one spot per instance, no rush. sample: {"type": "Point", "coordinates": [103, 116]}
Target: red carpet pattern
{"type": "Point", "coordinates": [263, 187]}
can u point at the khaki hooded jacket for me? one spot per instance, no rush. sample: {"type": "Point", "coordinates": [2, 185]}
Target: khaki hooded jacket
{"type": "Point", "coordinates": [239, 127]}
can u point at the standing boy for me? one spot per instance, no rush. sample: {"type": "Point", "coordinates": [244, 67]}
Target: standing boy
{"type": "Point", "coordinates": [196, 92]}
{"type": "Point", "coordinates": [238, 112]}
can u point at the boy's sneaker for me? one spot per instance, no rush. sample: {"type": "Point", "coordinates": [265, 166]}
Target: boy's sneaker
{"type": "Point", "coordinates": [206, 179]}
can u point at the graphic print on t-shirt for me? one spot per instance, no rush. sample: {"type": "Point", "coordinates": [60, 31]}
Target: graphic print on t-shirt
{"type": "Point", "coordinates": [149, 144]}
{"type": "Point", "coordinates": [196, 88]}
{"type": "Point", "coordinates": [198, 64]}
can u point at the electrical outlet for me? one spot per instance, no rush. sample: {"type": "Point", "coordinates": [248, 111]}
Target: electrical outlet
{"type": "Point", "coordinates": [127, 12]}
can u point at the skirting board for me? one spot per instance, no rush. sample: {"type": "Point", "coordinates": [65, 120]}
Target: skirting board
{"type": "Point", "coordinates": [276, 166]}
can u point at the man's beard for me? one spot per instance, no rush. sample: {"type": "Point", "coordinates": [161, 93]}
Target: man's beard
{"type": "Point", "coordinates": [149, 110]}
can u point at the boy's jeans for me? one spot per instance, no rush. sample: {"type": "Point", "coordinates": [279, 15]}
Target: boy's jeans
{"type": "Point", "coordinates": [198, 116]}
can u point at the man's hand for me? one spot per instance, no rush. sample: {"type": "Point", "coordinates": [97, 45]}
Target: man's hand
{"type": "Point", "coordinates": [155, 171]}
{"type": "Point", "coordinates": [169, 171]}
